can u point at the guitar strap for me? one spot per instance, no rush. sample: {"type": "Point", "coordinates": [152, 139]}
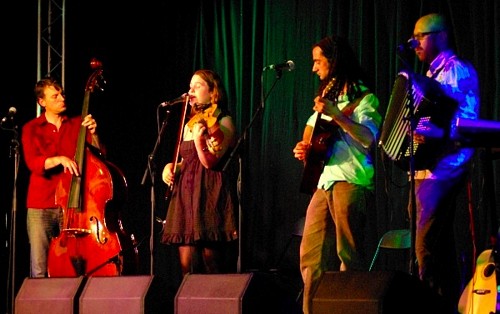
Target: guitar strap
{"type": "Point", "coordinates": [347, 111]}
{"type": "Point", "coordinates": [349, 108]}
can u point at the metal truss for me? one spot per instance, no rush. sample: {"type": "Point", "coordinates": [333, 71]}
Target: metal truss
{"type": "Point", "coordinates": [51, 40]}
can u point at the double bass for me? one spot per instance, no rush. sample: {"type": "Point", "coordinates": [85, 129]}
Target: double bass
{"type": "Point", "coordinates": [92, 240]}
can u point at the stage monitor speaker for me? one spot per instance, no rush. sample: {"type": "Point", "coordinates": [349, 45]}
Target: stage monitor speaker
{"type": "Point", "coordinates": [49, 295]}
{"type": "Point", "coordinates": [376, 292]}
{"type": "Point", "coordinates": [125, 294]}
{"type": "Point", "coordinates": [233, 293]}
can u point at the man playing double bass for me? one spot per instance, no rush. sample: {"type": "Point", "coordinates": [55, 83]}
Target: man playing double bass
{"type": "Point", "coordinates": [49, 143]}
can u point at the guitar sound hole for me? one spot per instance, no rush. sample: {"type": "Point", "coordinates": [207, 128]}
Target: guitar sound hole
{"type": "Point", "coordinates": [489, 270]}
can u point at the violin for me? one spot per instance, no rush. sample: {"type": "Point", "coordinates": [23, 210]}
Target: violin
{"type": "Point", "coordinates": [208, 117]}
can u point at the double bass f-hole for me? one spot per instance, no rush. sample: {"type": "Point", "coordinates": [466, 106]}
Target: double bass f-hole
{"type": "Point", "coordinates": [98, 227]}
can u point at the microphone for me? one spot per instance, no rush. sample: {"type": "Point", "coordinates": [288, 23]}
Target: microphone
{"type": "Point", "coordinates": [409, 45]}
{"type": "Point", "coordinates": [289, 65]}
{"type": "Point", "coordinates": [179, 99]}
{"type": "Point", "coordinates": [10, 114]}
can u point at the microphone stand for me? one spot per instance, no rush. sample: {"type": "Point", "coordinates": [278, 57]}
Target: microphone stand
{"type": "Point", "coordinates": [12, 253]}
{"type": "Point", "coordinates": [413, 205]}
{"type": "Point", "coordinates": [413, 199]}
{"type": "Point", "coordinates": [235, 151]}
{"type": "Point", "coordinates": [150, 169]}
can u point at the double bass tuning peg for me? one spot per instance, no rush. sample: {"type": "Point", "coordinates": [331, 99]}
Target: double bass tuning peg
{"type": "Point", "coordinates": [101, 82]}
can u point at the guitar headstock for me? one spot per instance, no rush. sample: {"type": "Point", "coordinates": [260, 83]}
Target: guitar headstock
{"type": "Point", "coordinates": [329, 87]}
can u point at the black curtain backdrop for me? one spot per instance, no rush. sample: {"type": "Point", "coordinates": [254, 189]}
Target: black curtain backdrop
{"type": "Point", "coordinates": [149, 51]}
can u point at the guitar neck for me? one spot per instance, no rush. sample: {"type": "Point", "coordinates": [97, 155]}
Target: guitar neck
{"type": "Point", "coordinates": [309, 137]}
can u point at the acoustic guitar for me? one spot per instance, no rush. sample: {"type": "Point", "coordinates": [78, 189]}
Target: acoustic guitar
{"type": "Point", "coordinates": [480, 294]}
{"type": "Point", "coordinates": [321, 139]}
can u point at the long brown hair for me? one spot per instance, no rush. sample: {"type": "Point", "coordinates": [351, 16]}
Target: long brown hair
{"type": "Point", "coordinates": [344, 67]}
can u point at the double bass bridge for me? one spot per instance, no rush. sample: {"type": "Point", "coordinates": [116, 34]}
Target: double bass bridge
{"type": "Point", "coordinates": [76, 232]}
